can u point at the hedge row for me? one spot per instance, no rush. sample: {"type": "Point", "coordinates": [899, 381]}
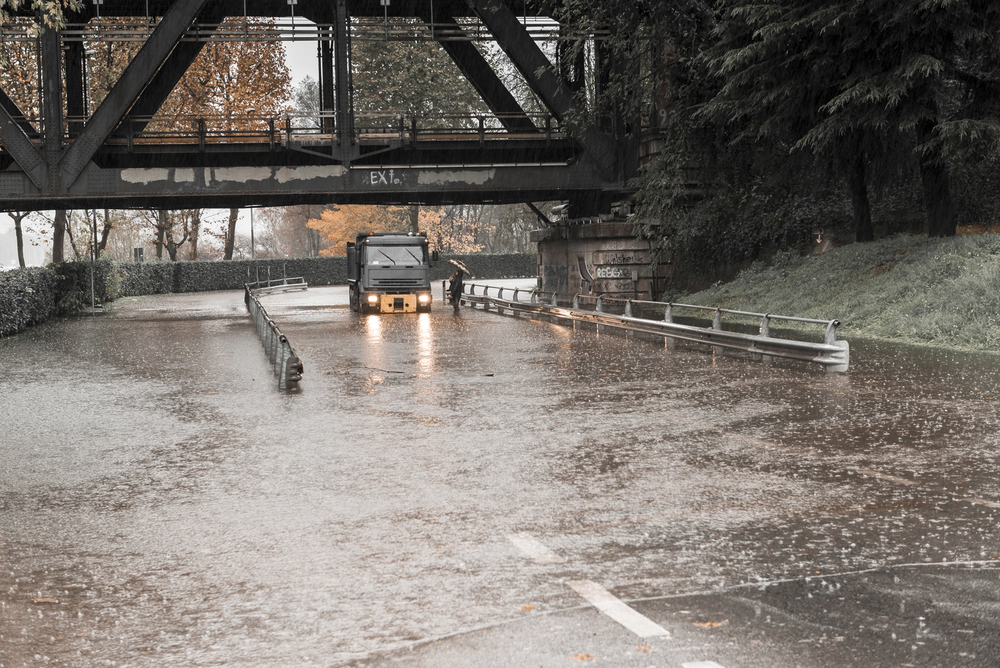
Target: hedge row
{"type": "Point", "coordinates": [27, 297]}
{"type": "Point", "coordinates": [30, 296]}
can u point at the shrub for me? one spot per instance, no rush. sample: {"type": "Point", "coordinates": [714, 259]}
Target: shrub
{"type": "Point", "coordinates": [27, 297]}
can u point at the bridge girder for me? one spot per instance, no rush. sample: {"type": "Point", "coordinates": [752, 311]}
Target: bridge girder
{"type": "Point", "coordinates": [88, 167]}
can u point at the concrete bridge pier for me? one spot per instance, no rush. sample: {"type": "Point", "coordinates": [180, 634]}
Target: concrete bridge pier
{"type": "Point", "coordinates": [598, 258]}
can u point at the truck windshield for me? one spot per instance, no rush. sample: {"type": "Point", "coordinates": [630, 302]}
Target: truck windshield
{"type": "Point", "coordinates": [391, 255]}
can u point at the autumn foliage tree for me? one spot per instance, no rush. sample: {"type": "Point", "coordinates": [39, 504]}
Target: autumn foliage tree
{"type": "Point", "coordinates": [341, 224]}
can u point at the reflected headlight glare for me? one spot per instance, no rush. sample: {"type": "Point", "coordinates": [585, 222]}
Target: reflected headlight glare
{"type": "Point", "coordinates": [372, 299]}
{"type": "Point", "coordinates": [423, 299]}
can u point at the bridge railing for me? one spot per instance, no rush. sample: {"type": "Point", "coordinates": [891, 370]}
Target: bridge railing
{"type": "Point", "coordinates": [321, 128]}
{"type": "Point", "coordinates": [256, 29]}
{"type": "Point", "coordinates": [284, 362]}
{"type": "Point", "coordinates": [659, 318]}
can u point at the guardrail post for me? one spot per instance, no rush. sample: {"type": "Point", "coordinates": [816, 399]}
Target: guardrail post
{"type": "Point", "coordinates": [668, 341]}
{"type": "Point", "coordinates": [765, 331]}
{"type": "Point", "coordinates": [830, 338]}
{"type": "Point", "coordinates": [717, 325]}
{"type": "Point", "coordinates": [629, 333]}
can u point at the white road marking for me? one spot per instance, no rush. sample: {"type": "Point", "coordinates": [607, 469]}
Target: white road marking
{"type": "Point", "coordinates": [614, 608]}
{"type": "Point", "coordinates": [533, 549]}
{"type": "Point", "coordinates": [883, 476]}
{"type": "Point", "coordinates": [701, 664]}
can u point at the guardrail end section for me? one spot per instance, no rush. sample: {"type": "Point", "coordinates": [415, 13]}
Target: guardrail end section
{"type": "Point", "coordinates": [843, 357]}
{"type": "Point", "coordinates": [291, 373]}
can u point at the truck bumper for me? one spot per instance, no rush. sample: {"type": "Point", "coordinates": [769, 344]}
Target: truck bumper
{"type": "Point", "coordinates": [397, 304]}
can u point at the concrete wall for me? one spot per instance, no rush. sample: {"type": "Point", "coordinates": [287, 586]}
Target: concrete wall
{"type": "Point", "coordinates": [617, 263]}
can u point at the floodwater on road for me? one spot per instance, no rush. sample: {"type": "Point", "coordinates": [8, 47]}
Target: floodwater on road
{"type": "Point", "coordinates": [162, 503]}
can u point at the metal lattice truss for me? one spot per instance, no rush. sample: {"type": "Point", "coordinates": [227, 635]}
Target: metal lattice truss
{"type": "Point", "coordinates": [113, 158]}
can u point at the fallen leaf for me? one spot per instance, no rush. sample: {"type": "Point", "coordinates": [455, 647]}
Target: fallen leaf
{"type": "Point", "coordinates": [44, 600]}
{"type": "Point", "coordinates": [582, 657]}
{"type": "Point", "coordinates": [710, 624]}
{"type": "Point", "coordinates": [527, 607]}
{"type": "Point", "coordinates": [643, 648]}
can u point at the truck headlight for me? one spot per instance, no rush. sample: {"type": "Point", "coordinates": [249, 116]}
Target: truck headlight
{"type": "Point", "coordinates": [372, 299]}
{"type": "Point", "coordinates": [423, 299]}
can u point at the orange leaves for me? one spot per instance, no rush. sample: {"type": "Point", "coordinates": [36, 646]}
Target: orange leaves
{"type": "Point", "coordinates": [342, 223]}
{"type": "Point", "coordinates": [583, 657]}
{"type": "Point", "coordinates": [706, 625]}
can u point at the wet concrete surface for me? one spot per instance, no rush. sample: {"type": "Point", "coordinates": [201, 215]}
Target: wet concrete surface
{"type": "Point", "coordinates": [161, 503]}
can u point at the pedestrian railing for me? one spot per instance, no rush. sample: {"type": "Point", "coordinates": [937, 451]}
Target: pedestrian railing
{"type": "Point", "coordinates": [658, 318]}
{"type": "Point", "coordinates": [286, 364]}
{"type": "Point", "coordinates": [280, 285]}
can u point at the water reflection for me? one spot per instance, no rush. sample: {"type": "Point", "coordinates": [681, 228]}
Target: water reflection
{"type": "Point", "coordinates": [373, 327]}
{"type": "Point", "coordinates": [425, 343]}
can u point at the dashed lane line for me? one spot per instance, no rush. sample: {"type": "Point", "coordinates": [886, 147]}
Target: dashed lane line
{"type": "Point", "coordinates": [615, 608]}
{"type": "Point", "coordinates": [701, 664]}
{"type": "Point", "coordinates": [533, 549]}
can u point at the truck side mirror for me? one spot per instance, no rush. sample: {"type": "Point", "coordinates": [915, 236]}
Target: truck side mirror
{"type": "Point", "coordinates": [434, 256]}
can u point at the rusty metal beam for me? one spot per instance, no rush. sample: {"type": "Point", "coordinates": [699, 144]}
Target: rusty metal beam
{"type": "Point", "coordinates": [482, 77]}
{"type": "Point", "coordinates": [16, 142]}
{"type": "Point", "coordinates": [15, 112]}
{"type": "Point", "coordinates": [128, 88]}
{"type": "Point", "coordinates": [224, 187]}
{"type": "Point", "coordinates": [543, 79]}
{"type": "Point", "coordinates": [166, 78]}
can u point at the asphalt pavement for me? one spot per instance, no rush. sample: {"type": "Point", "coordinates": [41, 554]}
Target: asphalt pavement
{"type": "Point", "coordinates": [480, 490]}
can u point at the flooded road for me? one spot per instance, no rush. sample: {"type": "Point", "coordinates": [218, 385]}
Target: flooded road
{"type": "Point", "coordinates": [442, 484]}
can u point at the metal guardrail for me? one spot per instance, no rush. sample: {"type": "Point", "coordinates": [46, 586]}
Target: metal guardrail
{"type": "Point", "coordinates": [286, 364]}
{"type": "Point", "coordinates": [832, 354]}
{"type": "Point", "coordinates": [280, 285]}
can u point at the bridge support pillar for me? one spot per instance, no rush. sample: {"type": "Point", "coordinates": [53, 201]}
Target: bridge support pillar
{"type": "Point", "coordinates": [616, 263]}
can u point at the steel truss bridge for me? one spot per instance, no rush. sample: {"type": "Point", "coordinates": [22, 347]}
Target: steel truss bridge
{"type": "Point", "coordinates": [116, 156]}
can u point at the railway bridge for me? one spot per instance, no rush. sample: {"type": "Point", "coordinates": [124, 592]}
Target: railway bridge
{"type": "Point", "coordinates": [66, 155]}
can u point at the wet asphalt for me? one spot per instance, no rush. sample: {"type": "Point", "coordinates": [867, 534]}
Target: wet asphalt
{"type": "Point", "coordinates": [442, 483]}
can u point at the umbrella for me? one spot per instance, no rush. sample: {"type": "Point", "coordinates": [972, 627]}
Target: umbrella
{"type": "Point", "coordinates": [458, 264]}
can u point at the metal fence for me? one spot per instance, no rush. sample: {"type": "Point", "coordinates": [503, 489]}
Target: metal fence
{"type": "Point", "coordinates": [284, 362]}
{"type": "Point", "coordinates": [659, 319]}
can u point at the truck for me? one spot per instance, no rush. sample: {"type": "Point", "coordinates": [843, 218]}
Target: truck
{"type": "Point", "coordinates": [390, 272]}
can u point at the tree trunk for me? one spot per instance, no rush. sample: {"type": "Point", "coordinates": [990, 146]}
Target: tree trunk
{"type": "Point", "coordinates": [161, 231]}
{"type": "Point", "coordinates": [103, 243]}
{"type": "Point", "coordinates": [193, 235]}
{"type": "Point", "coordinates": [937, 188]}
{"type": "Point", "coordinates": [859, 199]}
{"type": "Point", "coordinates": [414, 218]}
{"type": "Point", "coordinates": [937, 199]}
{"type": "Point", "coordinates": [231, 234]}
{"type": "Point", "coordinates": [17, 217]}
{"type": "Point", "coordinates": [58, 235]}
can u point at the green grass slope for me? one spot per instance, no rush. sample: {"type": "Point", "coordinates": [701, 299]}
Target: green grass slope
{"type": "Point", "coordinates": [940, 292]}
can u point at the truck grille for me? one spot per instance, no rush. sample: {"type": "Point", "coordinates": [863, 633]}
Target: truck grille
{"type": "Point", "coordinates": [398, 283]}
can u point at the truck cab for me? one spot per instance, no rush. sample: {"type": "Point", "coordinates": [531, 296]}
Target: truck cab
{"type": "Point", "coordinates": [389, 272]}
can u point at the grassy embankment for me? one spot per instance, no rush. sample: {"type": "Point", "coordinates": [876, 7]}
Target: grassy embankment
{"type": "Point", "coordinates": [939, 292]}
